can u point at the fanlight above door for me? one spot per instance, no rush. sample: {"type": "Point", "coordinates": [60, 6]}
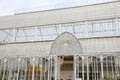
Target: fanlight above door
{"type": "Point", "coordinates": [66, 43]}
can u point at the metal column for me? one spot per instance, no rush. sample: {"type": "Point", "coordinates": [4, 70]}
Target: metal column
{"type": "Point", "coordinates": [82, 67]}
{"type": "Point", "coordinates": [33, 68]}
{"type": "Point", "coordinates": [56, 65]}
{"type": "Point", "coordinates": [74, 67]}
{"type": "Point", "coordinates": [102, 75]}
{"type": "Point", "coordinates": [87, 69]}
{"type": "Point", "coordinates": [18, 68]}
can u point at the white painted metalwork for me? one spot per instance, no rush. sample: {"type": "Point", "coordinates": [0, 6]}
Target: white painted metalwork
{"type": "Point", "coordinates": [33, 68]}
{"type": "Point", "coordinates": [95, 66]}
{"type": "Point", "coordinates": [41, 69]}
{"type": "Point", "coordinates": [56, 68]}
{"type": "Point", "coordinates": [75, 70]}
{"type": "Point", "coordinates": [102, 74]}
{"type": "Point", "coordinates": [4, 70]}
{"type": "Point", "coordinates": [87, 29]}
{"type": "Point", "coordinates": [83, 68]}
{"type": "Point", "coordinates": [87, 69]}
{"type": "Point", "coordinates": [18, 70]}
{"type": "Point", "coordinates": [98, 71]}
{"type": "Point", "coordinates": [66, 43]}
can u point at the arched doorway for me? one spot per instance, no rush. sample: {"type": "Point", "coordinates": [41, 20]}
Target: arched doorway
{"type": "Point", "coordinates": [65, 48]}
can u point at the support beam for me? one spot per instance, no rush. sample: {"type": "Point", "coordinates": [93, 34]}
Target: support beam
{"type": "Point", "coordinates": [102, 75]}
{"type": "Point", "coordinates": [4, 71]}
{"type": "Point", "coordinates": [74, 67]}
{"type": "Point", "coordinates": [56, 65]}
{"type": "Point", "coordinates": [58, 69]}
{"type": "Point", "coordinates": [18, 68]}
{"type": "Point", "coordinates": [48, 68]}
{"type": "Point", "coordinates": [87, 69]}
{"type": "Point", "coordinates": [41, 69]}
{"type": "Point", "coordinates": [33, 68]}
{"type": "Point", "coordinates": [82, 67]}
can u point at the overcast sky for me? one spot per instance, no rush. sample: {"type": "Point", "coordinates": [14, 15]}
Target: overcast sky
{"type": "Point", "coordinates": [8, 7]}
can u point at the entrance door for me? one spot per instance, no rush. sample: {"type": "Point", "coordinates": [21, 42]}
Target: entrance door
{"type": "Point", "coordinates": [65, 68]}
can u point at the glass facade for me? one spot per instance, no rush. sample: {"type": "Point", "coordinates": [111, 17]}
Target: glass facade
{"type": "Point", "coordinates": [65, 61]}
{"type": "Point", "coordinates": [42, 68]}
{"type": "Point", "coordinates": [87, 29]}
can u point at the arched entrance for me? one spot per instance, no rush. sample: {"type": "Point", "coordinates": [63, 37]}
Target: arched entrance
{"type": "Point", "coordinates": [65, 48]}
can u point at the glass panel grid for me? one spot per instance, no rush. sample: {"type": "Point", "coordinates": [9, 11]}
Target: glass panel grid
{"type": "Point", "coordinates": [100, 28]}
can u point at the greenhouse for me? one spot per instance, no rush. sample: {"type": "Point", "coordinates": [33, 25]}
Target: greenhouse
{"type": "Point", "coordinates": [75, 43]}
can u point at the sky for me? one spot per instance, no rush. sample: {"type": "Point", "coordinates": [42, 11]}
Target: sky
{"type": "Point", "coordinates": [9, 7]}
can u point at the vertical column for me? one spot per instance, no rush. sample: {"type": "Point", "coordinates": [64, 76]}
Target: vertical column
{"type": "Point", "coordinates": [18, 68]}
{"type": "Point", "coordinates": [82, 67]}
{"type": "Point", "coordinates": [22, 68]}
{"type": "Point", "coordinates": [87, 69]}
{"type": "Point", "coordinates": [51, 73]}
{"type": "Point", "coordinates": [97, 68]}
{"type": "Point", "coordinates": [92, 75]}
{"type": "Point", "coordinates": [78, 66]}
{"type": "Point", "coordinates": [102, 75]}
{"type": "Point", "coordinates": [1, 62]}
{"type": "Point", "coordinates": [112, 66]}
{"type": "Point", "coordinates": [107, 66]}
{"type": "Point", "coordinates": [29, 72]}
{"type": "Point", "coordinates": [118, 65]}
{"type": "Point", "coordinates": [10, 69]}
{"type": "Point", "coordinates": [33, 68]}
{"type": "Point", "coordinates": [48, 68]}
{"type": "Point", "coordinates": [5, 64]}
{"type": "Point", "coordinates": [59, 68]}
{"type": "Point", "coordinates": [26, 69]}
{"type": "Point", "coordinates": [94, 65]}
{"type": "Point", "coordinates": [41, 69]}
{"type": "Point", "coordinates": [56, 68]}
{"type": "Point", "coordinates": [74, 67]}
{"type": "Point", "coordinates": [45, 68]}
{"type": "Point", "coordinates": [115, 61]}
